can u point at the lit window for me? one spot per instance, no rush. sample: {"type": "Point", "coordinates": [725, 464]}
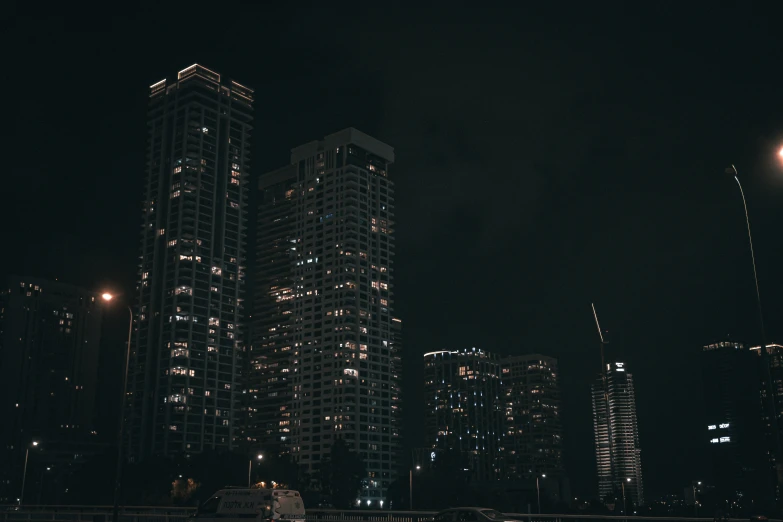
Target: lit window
{"type": "Point", "coordinates": [175, 194]}
{"type": "Point", "coordinates": [173, 242]}
{"type": "Point", "coordinates": [161, 231]}
{"type": "Point", "coordinates": [214, 321]}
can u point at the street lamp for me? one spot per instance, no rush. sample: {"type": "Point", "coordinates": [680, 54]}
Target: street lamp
{"type": "Point", "coordinates": [538, 492]}
{"type": "Point", "coordinates": [410, 487]}
{"type": "Point", "coordinates": [106, 296]}
{"type": "Point", "coordinates": [24, 473]}
{"type": "Point", "coordinates": [259, 457]}
{"type": "Point", "coordinates": [623, 485]}
{"type": "Point", "coordinates": [732, 171]}
{"type": "Point", "coordinates": [40, 485]}
{"type": "Point", "coordinates": [695, 501]}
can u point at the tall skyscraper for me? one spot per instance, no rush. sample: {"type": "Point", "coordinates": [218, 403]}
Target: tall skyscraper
{"type": "Point", "coordinates": [49, 349]}
{"type": "Point", "coordinates": [463, 390]}
{"type": "Point", "coordinates": [324, 355]}
{"type": "Point", "coordinates": [533, 431]}
{"type": "Point", "coordinates": [183, 389]}
{"type": "Point", "coordinates": [618, 453]}
{"type": "Point", "coordinates": [775, 352]}
{"type": "Point", "coordinates": [734, 430]}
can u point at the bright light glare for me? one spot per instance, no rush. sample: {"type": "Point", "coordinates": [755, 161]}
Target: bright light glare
{"type": "Point", "coordinates": [259, 457]}
{"type": "Point", "coordinates": [107, 296]}
{"type": "Point", "coordinates": [418, 467]}
{"type": "Point", "coordinates": [628, 480]}
{"type": "Point", "coordinates": [543, 475]}
{"type": "Point", "coordinates": [780, 152]}
{"type": "Point", "coordinates": [35, 443]}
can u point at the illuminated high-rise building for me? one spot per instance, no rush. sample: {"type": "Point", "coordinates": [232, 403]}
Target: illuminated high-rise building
{"type": "Point", "coordinates": [49, 354]}
{"type": "Point", "coordinates": [533, 431]}
{"type": "Point", "coordinates": [618, 453]}
{"type": "Point", "coordinates": [734, 431]}
{"type": "Point", "coordinates": [325, 347]}
{"type": "Point", "coordinates": [775, 361]}
{"type": "Point", "coordinates": [463, 393]}
{"type": "Point", "coordinates": [183, 387]}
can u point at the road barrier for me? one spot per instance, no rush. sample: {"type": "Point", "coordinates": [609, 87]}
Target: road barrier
{"type": "Point", "coordinates": [180, 514]}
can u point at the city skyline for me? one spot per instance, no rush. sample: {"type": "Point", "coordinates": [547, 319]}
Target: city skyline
{"type": "Point", "coordinates": [614, 192]}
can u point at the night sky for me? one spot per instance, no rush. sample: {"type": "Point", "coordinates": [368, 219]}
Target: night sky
{"type": "Point", "coordinates": [545, 160]}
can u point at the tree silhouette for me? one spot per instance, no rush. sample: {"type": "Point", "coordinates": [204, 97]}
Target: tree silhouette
{"type": "Point", "coordinates": [342, 474]}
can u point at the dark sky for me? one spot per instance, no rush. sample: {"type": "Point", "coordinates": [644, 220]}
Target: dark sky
{"type": "Point", "coordinates": [545, 159]}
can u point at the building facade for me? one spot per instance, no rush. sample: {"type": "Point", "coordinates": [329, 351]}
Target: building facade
{"type": "Point", "coordinates": [735, 424]}
{"type": "Point", "coordinates": [325, 347]}
{"type": "Point", "coordinates": [49, 351]}
{"type": "Point", "coordinates": [775, 361]}
{"type": "Point", "coordinates": [618, 452]}
{"type": "Point", "coordinates": [463, 395]}
{"type": "Point", "coordinates": [532, 430]}
{"type": "Point", "coordinates": [185, 365]}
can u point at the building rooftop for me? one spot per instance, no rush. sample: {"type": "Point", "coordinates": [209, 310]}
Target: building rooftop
{"type": "Point", "coordinates": [349, 135]}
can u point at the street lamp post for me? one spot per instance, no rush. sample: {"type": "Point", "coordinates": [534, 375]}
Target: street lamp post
{"type": "Point", "coordinates": [250, 467]}
{"type": "Point", "coordinates": [625, 512]}
{"type": "Point", "coordinates": [732, 171]}
{"type": "Point", "coordinates": [410, 487]}
{"type": "Point", "coordinates": [695, 500]}
{"type": "Point", "coordinates": [24, 473]}
{"type": "Point", "coordinates": [538, 492]}
{"type": "Point", "coordinates": [115, 514]}
{"type": "Point", "coordinates": [40, 484]}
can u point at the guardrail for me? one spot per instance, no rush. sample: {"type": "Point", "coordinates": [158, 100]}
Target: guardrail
{"type": "Point", "coordinates": [93, 514]}
{"type": "Point", "coordinates": [180, 514]}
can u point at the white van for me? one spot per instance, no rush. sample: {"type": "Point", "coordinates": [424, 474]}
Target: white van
{"type": "Point", "coordinates": [240, 504]}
